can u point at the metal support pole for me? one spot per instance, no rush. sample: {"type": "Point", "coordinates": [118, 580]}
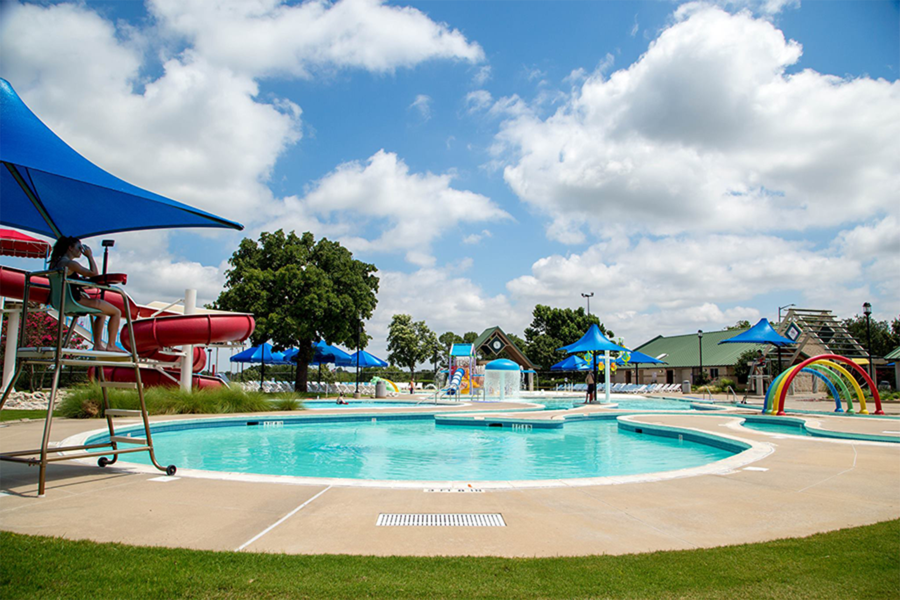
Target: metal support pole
{"type": "Point", "coordinates": [187, 363]}
{"type": "Point", "coordinates": [606, 372]}
{"type": "Point", "coordinates": [358, 341]}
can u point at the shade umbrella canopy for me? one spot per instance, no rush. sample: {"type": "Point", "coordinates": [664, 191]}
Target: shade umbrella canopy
{"type": "Point", "coordinates": [260, 354]}
{"type": "Point", "coordinates": [323, 354]}
{"type": "Point", "coordinates": [761, 333]}
{"type": "Point", "coordinates": [367, 360]}
{"type": "Point", "coordinates": [50, 189]}
{"type": "Point", "coordinates": [572, 363]}
{"type": "Point", "coordinates": [639, 358]}
{"type": "Point", "coordinates": [16, 243]}
{"type": "Point", "coordinates": [592, 341]}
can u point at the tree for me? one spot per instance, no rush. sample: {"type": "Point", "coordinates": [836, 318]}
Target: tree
{"type": "Point", "coordinates": [552, 328]}
{"type": "Point", "coordinates": [447, 340]}
{"type": "Point", "coordinates": [300, 291]}
{"type": "Point", "coordinates": [410, 343]}
{"type": "Point", "coordinates": [739, 325]}
{"type": "Point", "coordinates": [885, 337]}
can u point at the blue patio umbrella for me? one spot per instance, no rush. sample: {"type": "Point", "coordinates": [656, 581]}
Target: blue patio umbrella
{"type": "Point", "coordinates": [49, 188]}
{"type": "Point", "coordinates": [366, 360]}
{"type": "Point", "coordinates": [260, 355]}
{"type": "Point", "coordinates": [323, 354]}
{"type": "Point", "coordinates": [762, 333]}
{"type": "Point", "coordinates": [594, 341]}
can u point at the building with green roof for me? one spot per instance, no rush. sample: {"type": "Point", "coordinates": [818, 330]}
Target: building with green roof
{"type": "Point", "coordinates": [681, 354]}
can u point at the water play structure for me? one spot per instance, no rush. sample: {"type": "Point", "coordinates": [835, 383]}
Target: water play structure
{"type": "Point", "coordinates": [462, 370]}
{"type": "Point", "coordinates": [825, 367]}
{"type": "Point", "coordinates": [502, 379]}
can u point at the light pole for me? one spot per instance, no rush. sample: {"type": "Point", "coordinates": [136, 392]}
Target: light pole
{"type": "Point", "coordinates": [700, 347]}
{"type": "Point", "coordinates": [780, 308]}
{"type": "Point", "coordinates": [867, 310]}
{"type": "Point", "coordinates": [588, 296]}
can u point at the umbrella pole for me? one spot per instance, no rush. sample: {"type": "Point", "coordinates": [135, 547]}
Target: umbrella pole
{"type": "Point", "coordinates": [262, 370]}
{"type": "Point", "coordinates": [358, 334]}
{"type": "Point", "coordinates": [606, 369]}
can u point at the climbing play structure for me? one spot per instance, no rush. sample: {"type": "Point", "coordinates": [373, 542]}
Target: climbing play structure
{"type": "Point", "coordinates": [461, 369]}
{"type": "Point", "coordinates": [827, 368]}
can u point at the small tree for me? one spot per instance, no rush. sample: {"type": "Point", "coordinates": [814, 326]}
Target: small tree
{"type": "Point", "coordinates": [410, 343]}
{"type": "Point", "coordinates": [446, 341]}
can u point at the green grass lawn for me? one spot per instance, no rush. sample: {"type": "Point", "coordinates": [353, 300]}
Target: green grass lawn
{"type": "Point", "coordinates": [853, 563]}
{"type": "Point", "coordinates": [14, 414]}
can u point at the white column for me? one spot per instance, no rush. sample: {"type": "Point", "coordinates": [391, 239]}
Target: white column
{"type": "Point", "coordinates": [12, 345]}
{"type": "Point", "coordinates": [606, 372]}
{"type": "Point", "coordinates": [187, 363]}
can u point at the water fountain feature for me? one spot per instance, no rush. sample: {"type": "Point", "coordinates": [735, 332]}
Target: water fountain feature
{"type": "Point", "coordinates": [502, 379]}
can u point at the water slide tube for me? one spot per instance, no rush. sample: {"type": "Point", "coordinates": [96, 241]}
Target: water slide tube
{"type": "Point", "coordinates": [455, 381]}
{"type": "Point", "coordinates": [151, 334]}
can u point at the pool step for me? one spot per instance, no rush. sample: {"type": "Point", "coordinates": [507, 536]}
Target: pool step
{"type": "Point", "coordinates": [121, 439]}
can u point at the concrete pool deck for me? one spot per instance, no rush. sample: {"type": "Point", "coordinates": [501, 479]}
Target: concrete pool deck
{"type": "Point", "coordinates": [804, 486]}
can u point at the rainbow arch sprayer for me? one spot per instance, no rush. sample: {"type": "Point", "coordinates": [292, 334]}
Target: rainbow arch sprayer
{"type": "Point", "coordinates": [827, 368]}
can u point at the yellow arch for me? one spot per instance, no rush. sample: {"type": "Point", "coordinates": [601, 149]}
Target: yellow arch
{"type": "Point", "coordinates": [859, 393]}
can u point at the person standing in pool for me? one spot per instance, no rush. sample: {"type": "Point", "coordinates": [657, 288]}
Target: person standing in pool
{"type": "Point", "coordinates": [65, 253]}
{"type": "Point", "coordinates": [591, 388]}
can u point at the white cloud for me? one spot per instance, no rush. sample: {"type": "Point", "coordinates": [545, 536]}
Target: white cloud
{"type": "Point", "coordinates": [478, 100]}
{"type": "Point", "coordinates": [707, 132]}
{"type": "Point", "coordinates": [475, 238]}
{"type": "Point", "coordinates": [277, 38]}
{"type": "Point", "coordinates": [653, 286]}
{"type": "Point", "coordinates": [422, 104]}
{"type": "Point", "coordinates": [406, 211]}
{"type": "Point", "coordinates": [482, 75]}
{"type": "Point", "coordinates": [877, 246]}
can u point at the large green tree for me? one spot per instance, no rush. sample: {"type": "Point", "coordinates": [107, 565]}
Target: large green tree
{"type": "Point", "coordinates": [446, 341]}
{"type": "Point", "coordinates": [300, 291]}
{"type": "Point", "coordinates": [410, 343]}
{"type": "Point", "coordinates": [551, 328]}
{"type": "Point", "coordinates": [885, 336]}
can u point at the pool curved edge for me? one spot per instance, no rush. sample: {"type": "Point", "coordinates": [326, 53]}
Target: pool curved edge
{"type": "Point", "coordinates": [814, 428]}
{"type": "Point", "coordinates": [748, 451]}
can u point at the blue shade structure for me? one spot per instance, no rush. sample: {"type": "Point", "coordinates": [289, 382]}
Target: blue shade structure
{"type": "Point", "coordinates": [638, 358]}
{"type": "Point", "coordinates": [572, 363]}
{"type": "Point", "coordinates": [49, 188]}
{"type": "Point", "coordinates": [761, 333]}
{"type": "Point", "coordinates": [594, 341]}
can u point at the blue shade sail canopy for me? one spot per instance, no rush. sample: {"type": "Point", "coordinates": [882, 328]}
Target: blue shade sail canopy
{"type": "Point", "coordinates": [761, 333]}
{"type": "Point", "coordinates": [48, 188]}
{"type": "Point", "coordinates": [260, 354]}
{"type": "Point", "coordinates": [323, 354]}
{"type": "Point", "coordinates": [639, 358]}
{"type": "Point", "coordinates": [366, 360]}
{"type": "Point", "coordinates": [572, 363]}
{"type": "Point", "coordinates": [592, 341]}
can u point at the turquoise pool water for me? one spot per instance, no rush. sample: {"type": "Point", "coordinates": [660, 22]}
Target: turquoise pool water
{"type": "Point", "coordinates": [351, 403]}
{"type": "Point", "coordinates": [783, 428]}
{"type": "Point", "coordinates": [624, 404]}
{"type": "Point", "coordinates": [420, 449]}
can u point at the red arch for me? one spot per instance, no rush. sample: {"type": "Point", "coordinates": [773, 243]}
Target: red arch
{"type": "Point", "coordinates": [872, 387]}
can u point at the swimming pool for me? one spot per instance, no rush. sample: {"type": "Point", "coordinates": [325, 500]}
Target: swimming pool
{"type": "Point", "coordinates": [623, 403]}
{"type": "Point", "coordinates": [351, 403]}
{"type": "Point", "coordinates": [409, 448]}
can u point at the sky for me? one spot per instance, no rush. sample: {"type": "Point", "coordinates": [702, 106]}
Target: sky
{"type": "Point", "coordinates": [690, 164]}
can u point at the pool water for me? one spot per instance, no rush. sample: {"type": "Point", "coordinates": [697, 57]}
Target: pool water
{"type": "Point", "coordinates": [420, 449]}
{"type": "Point", "coordinates": [351, 403]}
{"type": "Point", "coordinates": [624, 404]}
{"type": "Point", "coordinates": [782, 428]}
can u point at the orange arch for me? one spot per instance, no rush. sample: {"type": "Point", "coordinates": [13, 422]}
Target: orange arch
{"type": "Point", "coordinates": [872, 387]}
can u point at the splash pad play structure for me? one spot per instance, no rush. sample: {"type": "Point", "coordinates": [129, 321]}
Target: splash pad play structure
{"type": "Point", "coordinates": [826, 368]}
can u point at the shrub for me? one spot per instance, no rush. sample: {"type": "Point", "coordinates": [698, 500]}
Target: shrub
{"type": "Point", "coordinates": [84, 401]}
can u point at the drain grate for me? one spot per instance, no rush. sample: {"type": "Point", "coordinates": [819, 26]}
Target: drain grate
{"type": "Point", "coordinates": [440, 520]}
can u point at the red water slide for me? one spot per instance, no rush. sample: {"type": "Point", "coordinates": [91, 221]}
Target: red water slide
{"type": "Point", "coordinates": [152, 335]}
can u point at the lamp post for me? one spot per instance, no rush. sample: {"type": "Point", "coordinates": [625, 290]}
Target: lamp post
{"type": "Point", "coordinates": [780, 308]}
{"type": "Point", "coordinates": [867, 310]}
{"type": "Point", "coordinates": [700, 347]}
{"type": "Point", "coordinates": [588, 296]}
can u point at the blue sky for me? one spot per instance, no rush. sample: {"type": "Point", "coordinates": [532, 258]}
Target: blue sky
{"type": "Point", "coordinates": [690, 164]}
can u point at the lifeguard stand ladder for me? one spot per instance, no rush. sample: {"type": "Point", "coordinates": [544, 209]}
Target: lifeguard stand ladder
{"type": "Point", "coordinates": [63, 301]}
